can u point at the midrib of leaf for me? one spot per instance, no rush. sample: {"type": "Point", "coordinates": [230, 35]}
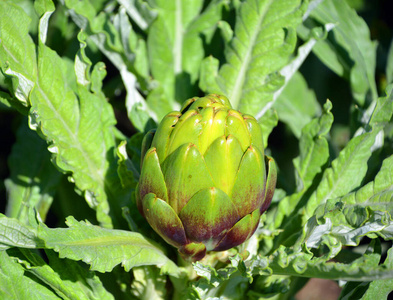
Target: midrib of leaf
{"type": "Point", "coordinates": [108, 241]}
{"type": "Point", "coordinates": [178, 42]}
{"type": "Point", "coordinates": [345, 167]}
{"type": "Point", "coordinates": [336, 174]}
{"type": "Point", "coordinates": [9, 53]}
{"type": "Point", "coordinates": [92, 171]}
{"type": "Point", "coordinates": [340, 177]}
{"type": "Point", "coordinates": [236, 94]}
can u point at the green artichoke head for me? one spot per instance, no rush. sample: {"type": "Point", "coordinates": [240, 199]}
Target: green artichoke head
{"type": "Point", "coordinates": [205, 180]}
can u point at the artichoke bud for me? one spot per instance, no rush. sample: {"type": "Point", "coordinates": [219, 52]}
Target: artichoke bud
{"type": "Point", "coordinates": [205, 180]}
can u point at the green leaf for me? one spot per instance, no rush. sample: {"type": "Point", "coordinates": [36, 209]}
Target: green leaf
{"type": "Point", "coordinates": [367, 210]}
{"type": "Point", "coordinates": [382, 111]}
{"type": "Point", "coordinates": [264, 38]}
{"type": "Point", "coordinates": [175, 43]}
{"type": "Point", "coordinates": [268, 121]}
{"type": "Point", "coordinates": [6, 100]}
{"type": "Point", "coordinates": [68, 279]}
{"type": "Point", "coordinates": [103, 248]}
{"type": "Point", "coordinates": [133, 45]}
{"type": "Point", "coordinates": [285, 261]}
{"type": "Point", "coordinates": [381, 288]}
{"type": "Point", "coordinates": [226, 31]}
{"type": "Point", "coordinates": [290, 70]}
{"type": "Point", "coordinates": [44, 9]}
{"type": "Point", "coordinates": [15, 285]}
{"type": "Point", "coordinates": [140, 12]}
{"type": "Point", "coordinates": [120, 44]}
{"type": "Point", "coordinates": [345, 174]}
{"type": "Point", "coordinates": [14, 233]}
{"type": "Point", "coordinates": [17, 51]}
{"type": "Point", "coordinates": [230, 282]}
{"type": "Point", "coordinates": [128, 173]}
{"type": "Point", "coordinates": [314, 154]}
{"type": "Point", "coordinates": [148, 284]}
{"type": "Point", "coordinates": [340, 234]}
{"type": "Point", "coordinates": [33, 179]}
{"type": "Point", "coordinates": [208, 75]}
{"type": "Point", "coordinates": [348, 50]}
{"type": "Point", "coordinates": [78, 127]}
{"type": "Point", "coordinates": [297, 104]}
{"type": "Point", "coordinates": [389, 65]}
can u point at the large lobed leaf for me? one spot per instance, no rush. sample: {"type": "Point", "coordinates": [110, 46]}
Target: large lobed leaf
{"type": "Point", "coordinates": [103, 248]}
{"type": "Point", "coordinates": [287, 262]}
{"type": "Point", "coordinates": [264, 38]}
{"type": "Point", "coordinates": [229, 282]}
{"type": "Point", "coordinates": [78, 127]}
{"type": "Point", "coordinates": [367, 211]}
{"type": "Point", "coordinates": [127, 52]}
{"type": "Point", "coordinates": [345, 174]}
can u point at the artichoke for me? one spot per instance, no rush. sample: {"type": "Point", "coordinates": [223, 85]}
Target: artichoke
{"type": "Point", "coordinates": [205, 180]}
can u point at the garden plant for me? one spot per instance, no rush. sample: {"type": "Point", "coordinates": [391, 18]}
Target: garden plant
{"type": "Point", "coordinates": [195, 149]}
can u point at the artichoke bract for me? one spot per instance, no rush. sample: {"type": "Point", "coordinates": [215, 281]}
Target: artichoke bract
{"type": "Point", "coordinates": [205, 180]}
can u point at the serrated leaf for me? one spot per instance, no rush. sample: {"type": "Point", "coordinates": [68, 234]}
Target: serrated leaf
{"type": "Point", "coordinates": [103, 248]}
{"type": "Point", "coordinates": [79, 127]}
{"type": "Point", "coordinates": [111, 41]}
{"type": "Point", "coordinates": [287, 262]}
{"type": "Point", "coordinates": [263, 40]}
{"type": "Point", "coordinates": [33, 179]}
{"type": "Point", "coordinates": [134, 46]}
{"type": "Point", "coordinates": [226, 31]}
{"type": "Point", "coordinates": [17, 51]}
{"type": "Point", "coordinates": [366, 211]}
{"type": "Point", "coordinates": [343, 235]}
{"type": "Point", "coordinates": [230, 282]}
{"type": "Point", "coordinates": [289, 71]}
{"type": "Point", "coordinates": [314, 154]}
{"type": "Point", "coordinates": [345, 174]}
{"type": "Point", "coordinates": [381, 288]}
{"type": "Point", "coordinates": [14, 285]}
{"type": "Point", "coordinates": [313, 147]}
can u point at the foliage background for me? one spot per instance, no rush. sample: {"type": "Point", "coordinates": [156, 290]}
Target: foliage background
{"type": "Point", "coordinates": [333, 70]}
